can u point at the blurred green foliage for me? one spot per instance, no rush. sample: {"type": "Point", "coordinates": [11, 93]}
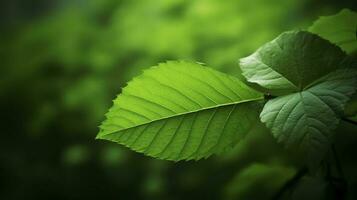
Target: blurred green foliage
{"type": "Point", "coordinates": [257, 176]}
{"type": "Point", "coordinates": [62, 62]}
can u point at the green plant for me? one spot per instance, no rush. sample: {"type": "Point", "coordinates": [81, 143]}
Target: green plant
{"type": "Point", "coordinates": [300, 84]}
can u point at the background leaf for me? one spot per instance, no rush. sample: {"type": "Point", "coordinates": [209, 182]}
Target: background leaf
{"type": "Point", "coordinates": [262, 177]}
{"type": "Point", "coordinates": [291, 62]}
{"type": "Point", "coordinates": [340, 29]}
{"type": "Point", "coordinates": [181, 110]}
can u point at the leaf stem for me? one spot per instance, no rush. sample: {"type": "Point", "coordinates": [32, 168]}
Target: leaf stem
{"type": "Point", "coordinates": [269, 96]}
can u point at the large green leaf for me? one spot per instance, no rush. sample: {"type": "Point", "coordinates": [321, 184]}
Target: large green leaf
{"type": "Point", "coordinates": [340, 29]}
{"type": "Point", "coordinates": [181, 111]}
{"type": "Point", "coordinates": [291, 62]}
{"type": "Point", "coordinates": [306, 119]}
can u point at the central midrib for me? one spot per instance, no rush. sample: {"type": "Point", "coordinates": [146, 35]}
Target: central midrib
{"type": "Point", "coordinates": [184, 113]}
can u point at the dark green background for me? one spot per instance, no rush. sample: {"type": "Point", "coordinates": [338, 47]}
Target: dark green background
{"type": "Point", "coordinates": [63, 61]}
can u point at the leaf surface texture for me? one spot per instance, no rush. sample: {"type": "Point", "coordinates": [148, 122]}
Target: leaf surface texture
{"type": "Point", "coordinates": [181, 111]}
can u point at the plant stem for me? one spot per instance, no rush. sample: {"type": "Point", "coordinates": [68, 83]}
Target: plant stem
{"type": "Point", "coordinates": [339, 182]}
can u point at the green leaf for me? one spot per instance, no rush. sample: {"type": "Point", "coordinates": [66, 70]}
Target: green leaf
{"type": "Point", "coordinates": [291, 62]}
{"type": "Point", "coordinates": [306, 119]}
{"type": "Point", "coordinates": [340, 29]}
{"type": "Point", "coordinates": [181, 111]}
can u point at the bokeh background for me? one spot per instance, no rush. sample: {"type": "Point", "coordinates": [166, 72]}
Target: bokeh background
{"type": "Point", "coordinates": [64, 61]}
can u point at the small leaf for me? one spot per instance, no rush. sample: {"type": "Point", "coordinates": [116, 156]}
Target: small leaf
{"type": "Point", "coordinates": [181, 111]}
{"type": "Point", "coordinates": [291, 62]}
{"type": "Point", "coordinates": [340, 29]}
{"type": "Point", "coordinates": [306, 119]}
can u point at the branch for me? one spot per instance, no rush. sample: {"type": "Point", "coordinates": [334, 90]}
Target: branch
{"type": "Point", "coordinates": [290, 183]}
{"type": "Point", "coordinates": [349, 120]}
{"type": "Point", "coordinates": [337, 161]}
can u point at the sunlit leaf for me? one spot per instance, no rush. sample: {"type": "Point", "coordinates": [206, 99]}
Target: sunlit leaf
{"type": "Point", "coordinates": [181, 111]}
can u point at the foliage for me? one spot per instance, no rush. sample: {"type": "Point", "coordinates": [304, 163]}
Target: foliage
{"type": "Point", "coordinates": [64, 61]}
{"type": "Point", "coordinates": [313, 90]}
{"type": "Point", "coordinates": [167, 112]}
{"type": "Point", "coordinates": [183, 111]}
